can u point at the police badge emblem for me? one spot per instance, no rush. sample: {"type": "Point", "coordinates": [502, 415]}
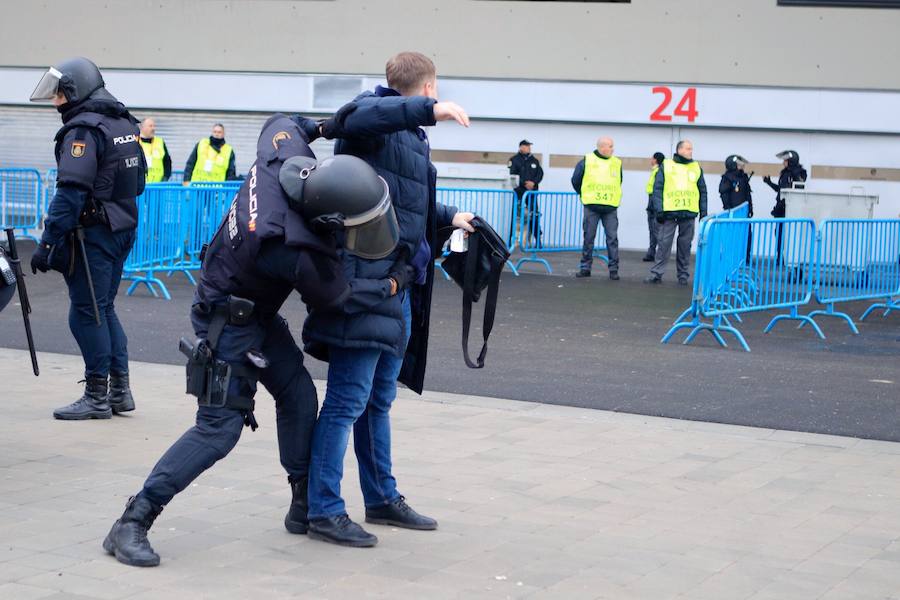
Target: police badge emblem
{"type": "Point", "coordinates": [78, 149]}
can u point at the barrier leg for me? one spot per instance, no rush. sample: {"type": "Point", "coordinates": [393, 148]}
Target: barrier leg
{"type": "Point", "coordinates": [714, 329]}
{"type": "Point", "coordinates": [149, 280]}
{"type": "Point", "coordinates": [695, 322]}
{"type": "Point", "coordinates": [440, 268]}
{"type": "Point", "coordinates": [534, 258]}
{"type": "Point", "coordinates": [793, 315]}
{"type": "Point", "coordinates": [830, 312]}
{"type": "Point", "coordinates": [689, 310]}
{"type": "Point", "coordinates": [889, 305]}
{"type": "Point", "coordinates": [512, 268]}
{"type": "Point", "coordinates": [601, 256]}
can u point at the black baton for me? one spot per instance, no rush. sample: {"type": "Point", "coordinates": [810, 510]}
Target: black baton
{"type": "Point", "coordinates": [79, 234]}
{"type": "Point", "coordinates": [23, 297]}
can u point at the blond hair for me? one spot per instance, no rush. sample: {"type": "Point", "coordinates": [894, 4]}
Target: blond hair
{"type": "Point", "coordinates": [408, 71]}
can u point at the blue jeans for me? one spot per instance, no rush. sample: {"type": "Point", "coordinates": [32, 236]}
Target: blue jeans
{"type": "Point", "coordinates": [218, 429]}
{"type": "Point", "coordinates": [362, 385]}
{"type": "Point", "coordinates": [103, 348]}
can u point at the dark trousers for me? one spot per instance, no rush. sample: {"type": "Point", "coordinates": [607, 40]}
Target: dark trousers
{"type": "Point", "coordinates": [653, 229]}
{"type": "Point", "coordinates": [683, 249]}
{"type": "Point", "coordinates": [592, 217]}
{"type": "Point", "coordinates": [103, 348]}
{"type": "Point", "coordinates": [217, 430]}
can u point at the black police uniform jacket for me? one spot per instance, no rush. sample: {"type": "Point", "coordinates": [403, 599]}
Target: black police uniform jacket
{"type": "Point", "coordinates": [527, 167]}
{"type": "Point", "coordinates": [734, 189]}
{"type": "Point", "coordinates": [97, 154]}
{"type": "Point", "coordinates": [259, 224]}
{"type": "Point", "coordinates": [791, 173]}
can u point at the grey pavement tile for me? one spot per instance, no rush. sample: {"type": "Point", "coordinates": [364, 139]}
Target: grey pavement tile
{"type": "Point", "coordinates": [16, 591]}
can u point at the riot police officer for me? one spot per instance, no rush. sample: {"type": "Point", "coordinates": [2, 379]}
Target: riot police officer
{"type": "Point", "coordinates": [734, 187]}
{"type": "Point", "coordinates": [275, 238]}
{"type": "Point", "coordinates": [89, 229]}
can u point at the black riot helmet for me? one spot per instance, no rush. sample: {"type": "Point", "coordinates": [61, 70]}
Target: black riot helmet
{"type": "Point", "coordinates": [735, 161]}
{"type": "Point", "coordinates": [77, 78]}
{"type": "Point", "coordinates": [789, 155]}
{"type": "Point", "coordinates": [343, 192]}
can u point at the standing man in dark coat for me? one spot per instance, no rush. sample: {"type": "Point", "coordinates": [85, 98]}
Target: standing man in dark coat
{"type": "Point", "coordinates": [528, 169]}
{"type": "Point", "coordinates": [734, 187]}
{"type": "Point", "coordinates": [380, 335]}
{"type": "Point", "coordinates": [791, 172]}
{"type": "Point", "coordinates": [101, 170]}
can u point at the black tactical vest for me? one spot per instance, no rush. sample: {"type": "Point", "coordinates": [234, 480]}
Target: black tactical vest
{"type": "Point", "coordinates": [258, 212]}
{"type": "Point", "coordinates": [121, 170]}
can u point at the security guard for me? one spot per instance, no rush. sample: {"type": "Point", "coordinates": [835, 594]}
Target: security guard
{"type": "Point", "coordinates": [101, 170]}
{"type": "Point", "coordinates": [212, 159]}
{"type": "Point", "coordinates": [652, 225]}
{"type": "Point", "coordinates": [527, 168]}
{"type": "Point", "coordinates": [679, 196]}
{"type": "Point", "coordinates": [598, 180]}
{"type": "Point", "coordinates": [734, 187]}
{"type": "Point", "coordinates": [159, 163]}
{"type": "Point", "coordinates": [275, 238]}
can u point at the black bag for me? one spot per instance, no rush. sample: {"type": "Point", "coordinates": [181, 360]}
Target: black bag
{"type": "Point", "coordinates": [473, 270]}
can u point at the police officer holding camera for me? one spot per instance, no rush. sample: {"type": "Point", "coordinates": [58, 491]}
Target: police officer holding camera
{"type": "Point", "coordinates": [277, 237]}
{"type": "Point", "coordinates": [89, 228]}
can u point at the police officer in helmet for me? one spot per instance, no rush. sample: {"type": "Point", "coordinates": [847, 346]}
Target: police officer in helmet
{"type": "Point", "coordinates": [734, 187]}
{"type": "Point", "coordinates": [101, 170]}
{"type": "Point", "coordinates": [277, 237]}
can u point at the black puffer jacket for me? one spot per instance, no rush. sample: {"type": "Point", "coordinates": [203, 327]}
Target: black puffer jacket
{"type": "Point", "coordinates": [791, 173]}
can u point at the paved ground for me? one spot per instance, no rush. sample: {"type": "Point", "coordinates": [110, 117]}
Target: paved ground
{"type": "Point", "coordinates": [591, 343]}
{"type": "Point", "coordinates": [534, 501]}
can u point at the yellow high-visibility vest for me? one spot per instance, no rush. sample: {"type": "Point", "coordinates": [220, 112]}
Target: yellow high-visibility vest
{"type": "Point", "coordinates": [680, 190]}
{"type": "Point", "coordinates": [211, 165]}
{"type": "Point", "coordinates": [652, 180]}
{"type": "Point", "coordinates": [154, 151]}
{"type": "Point", "coordinates": [602, 182]}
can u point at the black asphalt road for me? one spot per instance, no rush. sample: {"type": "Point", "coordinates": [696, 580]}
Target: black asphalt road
{"type": "Point", "coordinates": [590, 343]}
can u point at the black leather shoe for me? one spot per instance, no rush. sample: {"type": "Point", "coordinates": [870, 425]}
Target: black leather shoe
{"type": "Point", "coordinates": [614, 275]}
{"type": "Point", "coordinates": [399, 514]}
{"type": "Point", "coordinates": [91, 405]}
{"type": "Point", "coordinates": [342, 531]}
{"type": "Point", "coordinates": [127, 540]}
{"type": "Point", "coordinates": [119, 397]}
{"type": "Point", "coordinates": [296, 520]}
{"type": "Point", "coordinates": [582, 273]}
{"type": "Point", "coordinates": [648, 258]}
{"type": "Point", "coordinates": [653, 279]}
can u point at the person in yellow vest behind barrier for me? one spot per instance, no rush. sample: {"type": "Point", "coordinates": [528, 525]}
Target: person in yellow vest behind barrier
{"type": "Point", "coordinates": [652, 225]}
{"type": "Point", "coordinates": [159, 163]}
{"type": "Point", "coordinates": [598, 180]}
{"type": "Point", "coordinates": [679, 196]}
{"type": "Point", "coordinates": [211, 160]}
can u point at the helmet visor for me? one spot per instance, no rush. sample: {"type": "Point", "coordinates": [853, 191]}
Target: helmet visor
{"type": "Point", "coordinates": [47, 87]}
{"type": "Point", "coordinates": [374, 234]}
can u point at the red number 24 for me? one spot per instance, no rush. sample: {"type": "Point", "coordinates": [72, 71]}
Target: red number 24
{"type": "Point", "coordinates": [687, 106]}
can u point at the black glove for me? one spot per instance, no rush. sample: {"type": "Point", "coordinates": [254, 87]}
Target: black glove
{"type": "Point", "coordinates": [401, 273]}
{"type": "Point", "coordinates": [767, 179]}
{"type": "Point", "coordinates": [40, 258]}
{"type": "Point", "coordinates": [309, 127]}
{"type": "Point", "coordinates": [331, 126]}
{"type": "Point", "coordinates": [660, 218]}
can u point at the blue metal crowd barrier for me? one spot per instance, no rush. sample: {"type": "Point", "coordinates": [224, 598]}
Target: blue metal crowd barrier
{"type": "Point", "coordinates": [21, 200]}
{"type": "Point", "coordinates": [858, 260]}
{"type": "Point", "coordinates": [174, 221]}
{"type": "Point", "coordinates": [746, 265]}
{"type": "Point", "coordinates": [553, 222]}
{"type": "Point", "coordinates": [49, 188]}
{"type": "Point", "coordinates": [497, 207]}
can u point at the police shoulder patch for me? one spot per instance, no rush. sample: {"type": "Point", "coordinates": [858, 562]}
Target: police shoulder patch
{"type": "Point", "coordinates": [280, 137]}
{"type": "Point", "coordinates": [77, 149]}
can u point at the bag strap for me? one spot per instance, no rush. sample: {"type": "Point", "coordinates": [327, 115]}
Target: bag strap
{"type": "Point", "coordinates": [490, 302]}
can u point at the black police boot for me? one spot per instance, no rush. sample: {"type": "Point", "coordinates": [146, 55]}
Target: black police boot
{"type": "Point", "coordinates": [583, 273]}
{"type": "Point", "coordinates": [399, 514]}
{"type": "Point", "coordinates": [91, 405]}
{"type": "Point", "coordinates": [127, 540]}
{"type": "Point", "coordinates": [342, 531]}
{"type": "Point", "coordinates": [614, 275]}
{"type": "Point", "coordinates": [296, 520]}
{"type": "Point", "coordinates": [119, 397]}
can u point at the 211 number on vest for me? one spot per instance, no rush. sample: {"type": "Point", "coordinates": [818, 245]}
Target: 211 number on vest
{"type": "Point", "coordinates": [686, 107]}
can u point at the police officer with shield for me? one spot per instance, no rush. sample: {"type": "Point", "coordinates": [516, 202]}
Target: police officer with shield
{"type": "Point", "coordinates": [276, 237]}
{"type": "Point", "coordinates": [89, 227]}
